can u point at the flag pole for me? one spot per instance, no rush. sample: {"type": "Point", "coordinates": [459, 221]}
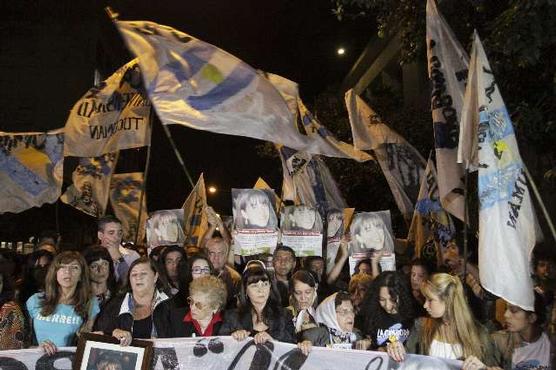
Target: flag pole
{"type": "Point", "coordinates": [465, 219]}
{"type": "Point", "coordinates": [541, 203]}
{"type": "Point", "coordinates": [145, 174]}
{"type": "Point", "coordinates": [177, 153]}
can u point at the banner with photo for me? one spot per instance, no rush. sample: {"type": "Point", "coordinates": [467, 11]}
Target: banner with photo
{"type": "Point", "coordinates": [301, 229]}
{"type": "Point", "coordinates": [91, 184]}
{"type": "Point", "coordinates": [111, 116]}
{"type": "Point", "coordinates": [255, 227]}
{"type": "Point", "coordinates": [125, 193]}
{"type": "Point", "coordinates": [31, 166]}
{"type": "Point", "coordinates": [371, 232]}
{"type": "Point", "coordinates": [334, 232]}
{"type": "Point", "coordinates": [165, 227]}
{"type": "Point", "coordinates": [216, 353]}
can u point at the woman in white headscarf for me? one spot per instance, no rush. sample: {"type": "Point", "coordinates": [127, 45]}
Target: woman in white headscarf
{"type": "Point", "coordinates": [335, 316]}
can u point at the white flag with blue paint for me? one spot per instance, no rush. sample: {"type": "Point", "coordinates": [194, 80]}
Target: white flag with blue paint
{"type": "Point", "coordinates": [508, 228]}
{"type": "Point", "coordinates": [198, 85]}
{"type": "Point", "coordinates": [31, 166]}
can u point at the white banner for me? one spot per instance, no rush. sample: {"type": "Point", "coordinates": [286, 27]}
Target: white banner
{"type": "Point", "coordinates": [301, 229]}
{"type": "Point", "coordinates": [217, 353]}
{"type": "Point", "coordinates": [31, 166]}
{"type": "Point", "coordinates": [111, 116]}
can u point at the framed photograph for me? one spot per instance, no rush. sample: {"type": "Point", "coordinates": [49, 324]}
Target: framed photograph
{"type": "Point", "coordinates": [101, 352]}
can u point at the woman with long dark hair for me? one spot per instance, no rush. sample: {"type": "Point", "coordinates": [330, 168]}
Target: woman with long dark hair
{"type": "Point", "coordinates": [66, 306]}
{"type": "Point", "coordinates": [259, 313]}
{"type": "Point", "coordinates": [101, 273]}
{"type": "Point", "coordinates": [387, 310]}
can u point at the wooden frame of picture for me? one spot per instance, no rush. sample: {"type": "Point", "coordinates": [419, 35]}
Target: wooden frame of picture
{"type": "Point", "coordinates": [94, 348]}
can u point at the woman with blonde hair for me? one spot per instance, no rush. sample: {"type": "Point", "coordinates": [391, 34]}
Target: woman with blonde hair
{"type": "Point", "coordinates": [450, 331]}
{"type": "Point", "coordinates": [66, 307]}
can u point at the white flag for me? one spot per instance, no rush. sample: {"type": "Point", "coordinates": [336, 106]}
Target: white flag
{"type": "Point", "coordinates": [401, 163]}
{"type": "Point", "coordinates": [508, 228]}
{"type": "Point", "coordinates": [111, 116]}
{"type": "Point", "coordinates": [91, 184]}
{"type": "Point", "coordinates": [447, 63]}
{"type": "Point", "coordinates": [31, 166]}
{"type": "Point", "coordinates": [198, 85]}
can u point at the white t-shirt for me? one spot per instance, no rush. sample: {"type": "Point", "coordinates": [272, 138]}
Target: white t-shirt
{"type": "Point", "coordinates": [533, 356]}
{"type": "Point", "coordinates": [445, 350]}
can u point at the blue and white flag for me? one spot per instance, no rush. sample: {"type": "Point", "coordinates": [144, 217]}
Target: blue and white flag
{"type": "Point", "coordinates": [448, 64]}
{"type": "Point", "coordinates": [402, 165]}
{"type": "Point", "coordinates": [508, 228]}
{"type": "Point", "coordinates": [111, 116]}
{"type": "Point", "coordinates": [91, 184]}
{"type": "Point", "coordinates": [198, 85]}
{"type": "Point", "coordinates": [31, 166]}
{"type": "Point", "coordinates": [431, 227]}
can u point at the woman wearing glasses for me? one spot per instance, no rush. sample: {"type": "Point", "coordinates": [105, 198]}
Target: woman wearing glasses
{"type": "Point", "coordinates": [196, 266]}
{"type": "Point", "coordinates": [259, 313]}
{"type": "Point", "coordinates": [66, 307]}
{"type": "Point", "coordinates": [140, 313]}
{"type": "Point", "coordinates": [202, 317]}
{"type": "Point", "coordinates": [336, 317]}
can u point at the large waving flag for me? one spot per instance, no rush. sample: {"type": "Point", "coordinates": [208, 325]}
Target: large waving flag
{"type": "Point", "coordinates": [431, 227]}
{"type": "Point", "coordinates": [198, 85]}
{"type": "Point", "coordinates": [125, 194]}
{"type": "Point", "coordinates": [508, 228]}
{"type": "Point", "coordinates": [401, 163]}
{"type": "Point", "coordinates": [195, 214]}
{"type": "Point", "coordinates": [31, 166]}
{"type": "Point", "coordinates": [111, 116]}
{"type": "Point", "coordinates": [91, 184]}
{"type": "Point", "coordinates": [448, 64]}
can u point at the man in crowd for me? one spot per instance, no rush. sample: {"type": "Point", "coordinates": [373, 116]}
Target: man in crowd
{"type": "Point", "coordinates": [218, 250]}
{"type": "Point", "coordinates": [110, 233]}
{"type": "Point", "coordinates": [284, 263]}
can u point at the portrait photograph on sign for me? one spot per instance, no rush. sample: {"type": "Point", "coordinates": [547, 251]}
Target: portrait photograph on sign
{"type": "Point", "coordinates": [371, 232]}
{"type": "Point", "coordinates": [255, 224]}
{"type": "Point", "coordinates": [96, 352]}
{"type": "Point", "coordinates": [165, 227]}
{"type": "Point", "coordinates": [334, 232]}
{"type": "Point", "coordinates": [301, 229]}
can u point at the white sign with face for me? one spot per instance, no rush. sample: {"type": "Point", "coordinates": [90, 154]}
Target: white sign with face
{"type": "Point", "coordinates": [301, 229]}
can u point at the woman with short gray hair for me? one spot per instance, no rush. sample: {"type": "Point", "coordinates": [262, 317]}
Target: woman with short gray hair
{"type": "Point", "coordinates": [202, 317]}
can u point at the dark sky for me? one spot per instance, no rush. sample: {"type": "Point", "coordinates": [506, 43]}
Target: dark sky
{"type": "Point", "coordinates": [49, 51]}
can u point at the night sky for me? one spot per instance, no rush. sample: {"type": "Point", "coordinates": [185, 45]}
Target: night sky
{"type": "Point", "coordinates": [49, 51]}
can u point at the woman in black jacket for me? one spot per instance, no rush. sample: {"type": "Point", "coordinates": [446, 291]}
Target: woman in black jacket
{"type": "Point", "coordinates": [140, 313]}
{"type": "Point", "coordinates": [259, 313]}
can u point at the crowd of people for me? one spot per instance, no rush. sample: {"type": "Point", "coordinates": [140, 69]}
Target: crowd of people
{"type": "Point", "coordinates": [50, 297]}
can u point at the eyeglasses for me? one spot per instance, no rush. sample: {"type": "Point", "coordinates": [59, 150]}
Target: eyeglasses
{"type": "Point", "coordinates": [198, 305]}
{"type": "Point", "coordinates": [345, 312]}
{"type": "Point", "coordinates": [70, 268]}
{"type": "Point", "coordinates": [200, 270]}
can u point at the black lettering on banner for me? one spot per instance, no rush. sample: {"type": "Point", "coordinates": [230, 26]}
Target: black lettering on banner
{"type": "Point", "coordinates": [168, 357]}
{"type": "Point", "coordinates": [517, 199]}
{"type": "Point", "coordinates": [123, 124]}
{"type": "Point", "coordinates": [261, 359]}
{"type": "Point", "coordinates": [376, 364]}
{"type": "Point", "coordinates": [46, 362]}
{"type": "Point", "coordinates": [11, 364]}
{"type": "Point", "coordinates": [291, 360]}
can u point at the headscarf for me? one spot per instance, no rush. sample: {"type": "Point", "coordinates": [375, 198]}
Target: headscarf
{"type": "Point", "coordinates": [326, 315]}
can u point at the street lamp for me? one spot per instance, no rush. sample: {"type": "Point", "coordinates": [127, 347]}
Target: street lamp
{"type": "Point", "coordinates": [341, 51]}
{"type": "Point", "coordinates": [212, 189]}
